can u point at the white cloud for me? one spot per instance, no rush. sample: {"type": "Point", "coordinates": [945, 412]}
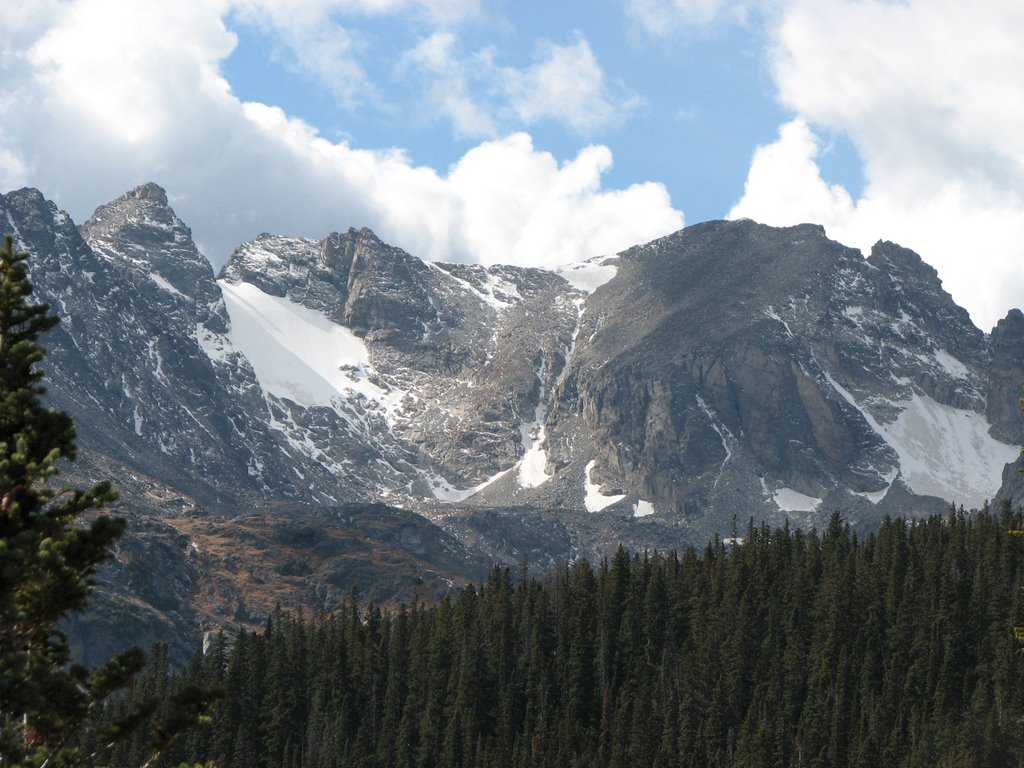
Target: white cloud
{"type": "Point", "coordinates": [929, 93]}
{"type": "Point", "coordinates": [663, 17]}
{"type": "Point", "coordinates": [565, 84]}
{"type": "Point", "coordinates": [542, 213]}
{"type": "Point", "coordinates": [449, 90]}
{"type": "Point", "coordinates": [784, 185]}
{"type": "Point", "coordinates": [112, 93]}
{"type": "Point", "coordinates": [320, 46]}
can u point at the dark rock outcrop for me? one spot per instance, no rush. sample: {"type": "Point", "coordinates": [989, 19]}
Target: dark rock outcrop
{"type": "Point", "coordinates": [1006, 378]}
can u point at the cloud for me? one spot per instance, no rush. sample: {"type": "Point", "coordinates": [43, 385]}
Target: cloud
{"type": "Point", "coordinates": [928, 92]}
{"type": "Point", "coordinates": [661, 18]}
{"type": "Point", "coordinates": [482, 99]}
{"type": "Point", "coordinates": [566, 85]}
{"type": "Point", "coordinates": [785, 182]}
{"type": "Point", "coordinates": [545, 213]}
{"type": "Point", "coordinates": [316, 44]}
{"type": "Point", "coordinates": [112, 93]}
{"type": "Point", "coordinates": [448, 92]}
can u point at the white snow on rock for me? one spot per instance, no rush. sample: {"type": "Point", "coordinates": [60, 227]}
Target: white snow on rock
{"type": "Point", "coordinates": [951, 365]}
{"type": "Point", "coordinates": [165, 285]}
{"type": "Point", "coordinates": [444, 491]}
{"type": "Point", "coordinates": [589, 275]}
{"type": "Point", "coordinates": [593, 499]}
{"type": "Point", "coordinates": [943, 451]}
{"type": "Point", "coordinates": [274, 256]}
{"type": "Point", "coordinates": [790, 500]}
{"type": "Point", "coordinates": [723, 434]}
{"type": "Point", "coordinates": [296, 352]}
{"type": "Point", "coordinates": [876, 496]}
{"type": "Point", "coordinates": [497, 286]}
{"type": "Point", "coordinates": [494, 290]}
{"type": "Point", "coordinates": [643, 508]}
{"type": "Point", "coordinates": [773, 315]}
{"type": "Point", "coordinates": [216, 346]}
{"type": "Point", "coordinates": [532, 467]}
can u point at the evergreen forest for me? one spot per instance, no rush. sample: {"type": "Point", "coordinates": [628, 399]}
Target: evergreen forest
{"type": "Point", "coordinates": [789, 648]}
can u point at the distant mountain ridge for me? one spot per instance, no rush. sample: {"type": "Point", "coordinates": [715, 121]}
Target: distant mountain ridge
{"type": "Point", "coordinates": [649, 398]}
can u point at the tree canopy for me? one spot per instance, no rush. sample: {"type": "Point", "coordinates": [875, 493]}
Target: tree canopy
{"type": "Point", "coordinates": [789, 649]}
{"type": "Point", "coordinates": [52, 539]}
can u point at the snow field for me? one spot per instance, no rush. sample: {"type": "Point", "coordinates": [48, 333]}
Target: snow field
{"type": "Point", "coordinates": [943, 451]}
{"type": "Point", "coordinates": [593, 499]}
{"type": "Point", "coordinates": [296, 352]}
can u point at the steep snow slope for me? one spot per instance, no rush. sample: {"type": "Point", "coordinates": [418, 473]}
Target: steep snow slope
{"type": "Point", "coordinates": [296, 352]}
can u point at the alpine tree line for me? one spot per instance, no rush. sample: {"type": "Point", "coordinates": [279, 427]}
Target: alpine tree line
{"type": "Point", "coordinates": [789, 649]}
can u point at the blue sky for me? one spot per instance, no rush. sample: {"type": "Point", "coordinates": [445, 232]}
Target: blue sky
{"type": "Point", "coordinates": [535, 133]}
{"type": "Point", "coordinates": [704, 98]}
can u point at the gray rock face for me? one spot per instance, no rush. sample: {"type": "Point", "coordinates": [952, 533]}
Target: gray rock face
{"type": "Point", "coordinates": [1006, 378]}
{"type": "Point", "coordinates": [458, 347]}
{"type": "Point", "coordinates": [126, 359]}
{"type": "Point", "coordinates": [732, 364]}
{"type": "Point", "coordinates": [1012, 489]}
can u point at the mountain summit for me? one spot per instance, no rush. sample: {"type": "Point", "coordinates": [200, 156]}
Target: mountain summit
{"type": "Point", "coordinates": [650, 398]}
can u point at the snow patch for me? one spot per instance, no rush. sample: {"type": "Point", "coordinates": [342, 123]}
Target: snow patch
{"type": "Point", "coordinates": [876, 496]}
{"type": "Point", "coordinates": [790, 500]}
{"type": "Point", "coordinates": [296, 352]}
{"type": "Point", "coordinates": [496, 286]}
{"type": "Point", "coordinates": [593, 499]}
{"type": "Point", "coordinates": [158, 361]}
{"type": "Point", "coordinates": [643, 508]}
{"type": "Point", "coordinates": [165, 285]}
{"type": "Point", "coordinates": [855, 313]}
{"type": "Point", "coordinates": [589, 275]}
{"type": "Point", "coordinates": [723, 434]}
{"type": "Point", "coordinates": [138, 421]}
{"type": "Point", "coordinates": [532, 467]}
{"type": "Point", "coordinates": [943, 451]}
{"type": "Point", "coordinates": [444, 491]}
{"type": "Point", "coordinates": [215, 346]}
{"type": "Point", "coordinates": [951, 365]}
{"type": "Point", "coordinates": [771, 314]}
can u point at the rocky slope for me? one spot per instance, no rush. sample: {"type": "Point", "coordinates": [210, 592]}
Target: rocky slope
{"type": "Point", "coordinates": [737, 366]}
{"type": "Point", "coordinates": [652, 398]}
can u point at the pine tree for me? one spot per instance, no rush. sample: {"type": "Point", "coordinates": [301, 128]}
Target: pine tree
{"type": "Point", "coordinates": [50, 546]}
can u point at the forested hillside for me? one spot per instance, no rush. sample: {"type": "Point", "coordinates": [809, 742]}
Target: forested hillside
{"type": "Point", "coordinates": [788, 649]}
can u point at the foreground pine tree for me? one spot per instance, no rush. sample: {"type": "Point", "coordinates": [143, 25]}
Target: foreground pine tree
{"type": "Point", "coordinates": [51, 542]}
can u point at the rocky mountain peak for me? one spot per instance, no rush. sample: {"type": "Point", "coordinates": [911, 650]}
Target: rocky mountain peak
{"type": "Point", "coordinates": [728, 369]}
{"type": "Point", "coordinates": [730, 365]}
{"type": "Point", "coordinates": [149, 191]}
{"type": "Point", "coordinates": [353, 278]}
{"type": "Point", "coordinates": [899, 261]}
{"type": "Point", "coordinates": [140, 231]}
{"type": "Point", "coordinates": [41, 225]}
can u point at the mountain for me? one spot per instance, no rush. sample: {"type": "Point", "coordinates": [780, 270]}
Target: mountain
{"type": "Point", "coordinates": [653, 398]}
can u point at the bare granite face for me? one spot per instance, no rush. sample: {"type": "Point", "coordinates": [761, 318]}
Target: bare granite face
{"type": "Point", "coordinates": [1006, 378]}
